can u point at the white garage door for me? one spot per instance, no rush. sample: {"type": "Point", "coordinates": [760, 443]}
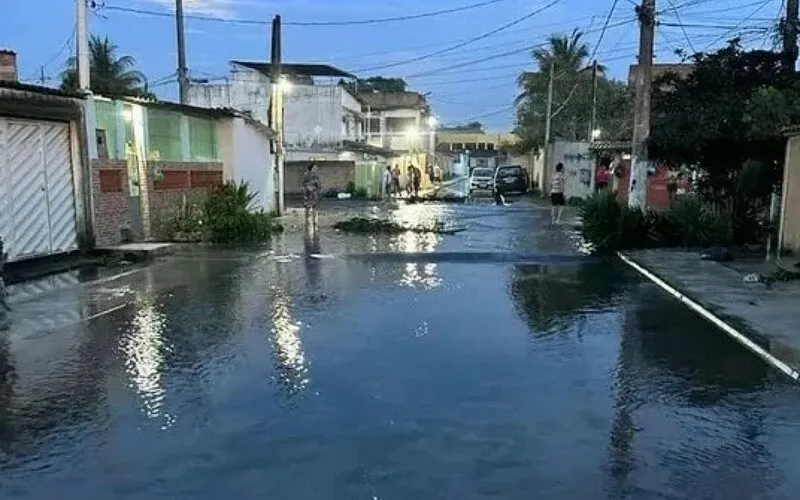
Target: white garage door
{"type": "Point", "coordinates": [37, 202]}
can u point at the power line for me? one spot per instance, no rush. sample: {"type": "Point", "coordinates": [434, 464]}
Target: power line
{"type": "Point", "coordinates": [683, 28]}
{"type": "Point", "coordinates": [464, 43]}
{"type": "Point", "coordinates": [496, 56]}
{"type": "Point", "coordinates": [603, 31]}
{"type": "Point", "coordinates": [410, 17]}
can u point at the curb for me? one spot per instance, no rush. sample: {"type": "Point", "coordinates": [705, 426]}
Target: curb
{"type": "Point", "coordinates": [711, 317]}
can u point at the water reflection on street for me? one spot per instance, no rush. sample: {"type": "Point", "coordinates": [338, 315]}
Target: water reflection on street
{"type": "Point", "coordinates": [294, 373]}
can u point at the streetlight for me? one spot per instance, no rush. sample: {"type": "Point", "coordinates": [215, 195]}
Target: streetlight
{"type": "Point", "coordinates": [595, 134]}
{"type": "Point", "coordinates": [285, 85]}
{"type": "Point", "coordinates": [432, 122]}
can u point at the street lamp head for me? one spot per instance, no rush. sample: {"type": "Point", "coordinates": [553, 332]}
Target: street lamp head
{"type": "Point", "coordinates": [432, 122]}
{"type": "Point", "coordinates": [596, 133]}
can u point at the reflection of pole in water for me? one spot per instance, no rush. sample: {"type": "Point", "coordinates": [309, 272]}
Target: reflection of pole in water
{"type": "Point", "coordinates": [623, 428]}
{"type": "Point", "coordinates": [290, 360]}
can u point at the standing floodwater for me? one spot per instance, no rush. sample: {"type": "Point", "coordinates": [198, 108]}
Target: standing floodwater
{"type": "Point", "coordinates": [271, 375]}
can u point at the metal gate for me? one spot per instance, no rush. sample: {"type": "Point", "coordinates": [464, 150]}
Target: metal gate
{"type": "Point", "coordinates": [37, 200]}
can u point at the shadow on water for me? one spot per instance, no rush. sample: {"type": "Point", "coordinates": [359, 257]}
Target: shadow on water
{"type": "Point", "coordinates": [549, 297]}
{"type": "Point", "coordinates": [675, 364]}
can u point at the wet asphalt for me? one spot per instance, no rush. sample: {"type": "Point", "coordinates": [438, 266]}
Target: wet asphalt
{"type": "Point", "coordinates": [492, 363]}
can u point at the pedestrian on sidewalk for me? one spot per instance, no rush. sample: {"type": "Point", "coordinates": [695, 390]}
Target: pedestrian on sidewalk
{"type": "Point", "coordinates": [311, 189]}
{"type": "Point", "coordinates": [557, 194]}
{"type": "Point", "coordinates": [386, 183]}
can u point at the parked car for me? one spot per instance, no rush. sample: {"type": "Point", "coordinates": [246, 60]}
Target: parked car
{"type": "Point", "coordinates": [510, 179]}
{"type": "Point", "coordinates": [481, 179]}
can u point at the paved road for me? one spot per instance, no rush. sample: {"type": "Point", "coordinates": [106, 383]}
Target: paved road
{"type": "Point", "coordinates": [265, 373]}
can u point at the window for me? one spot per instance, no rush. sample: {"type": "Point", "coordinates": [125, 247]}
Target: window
{"type": "Point", "coordinates": [457, 146]}
{"type": "Point", "coordinates": [164, 134]}
{"type": "Point", "coordinates": [489, 146]}
{"type": "Point", "coordinates": [106, 121]}
{"type": "Point", "coordinates": [202, 139]}
{"type": "Point", "coordinates": [482, 145]}
{"type": "Point", "coordinates": [399, 125]}
{"type": "Point", "coordinates": [374, 126]}
{"type": "Point", "coordinates": [471, 146]}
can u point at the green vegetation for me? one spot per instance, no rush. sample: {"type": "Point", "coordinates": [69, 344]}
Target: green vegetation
{"type": "Point", "coordinates": [568, 55]}
{"type": "Point", "coordinates": [727, 119]}
{"type": "Point", "coordinates": [226, 216]}
{"type": "Point", "coordinates": [109, 75]}
{"type": "Point", "coordinates": [690, 222]}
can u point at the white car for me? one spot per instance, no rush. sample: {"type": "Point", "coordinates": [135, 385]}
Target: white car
{"type": "Point", "coordinates": [481, 179]}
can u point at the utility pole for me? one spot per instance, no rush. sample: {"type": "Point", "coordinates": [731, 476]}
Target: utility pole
{"type": "Point", "coordinates": [276, 108]}
{"type": "Point", "coordinates": [548, 118]}
{"type": "Point", "coordinates": [593, 119]}
{"type": "Point", "coordinates": [82, 34]}
{"type": "Point", "coordinates": [183, 73]}
{"type": "Point", "coordinates": [637, 195]}
{"type": "Point", "coordinates": [42, 78]}
{"type": "Point", "coordinates": [790, 36]}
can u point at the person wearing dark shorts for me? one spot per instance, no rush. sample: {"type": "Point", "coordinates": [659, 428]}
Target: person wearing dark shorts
{"type": "Point", "coordinates": [557, 194]}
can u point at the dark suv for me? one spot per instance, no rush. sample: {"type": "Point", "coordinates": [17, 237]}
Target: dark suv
{"type": "Point", "coordinates": [510, 179]}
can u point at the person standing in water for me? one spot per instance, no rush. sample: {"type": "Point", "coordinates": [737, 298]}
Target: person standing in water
{"type": "Point", "coordinates": [557, 194]}
{"type": "Point", "coordinates": [311, 188]}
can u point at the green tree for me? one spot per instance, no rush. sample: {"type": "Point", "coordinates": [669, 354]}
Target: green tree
{"type": "Point", "coordinates": [572, 89]}
{"type": "Point", "coordinates": [727, 118]}
{"type": "Point", "coordinates": [109, 74]}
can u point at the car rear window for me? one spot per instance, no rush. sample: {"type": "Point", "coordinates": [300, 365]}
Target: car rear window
{"type": "Point", "coordinates": [509, 171]}
{"type": "Point", "coordinates": [482, 172]}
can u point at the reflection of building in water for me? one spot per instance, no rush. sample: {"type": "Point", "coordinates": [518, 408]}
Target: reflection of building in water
{"type": "Point", "coordinates": [143, 346]}
{"type": "Point", "coordinates": [418, 274]}
{"type": "Point", "coordinates": [290, 359]}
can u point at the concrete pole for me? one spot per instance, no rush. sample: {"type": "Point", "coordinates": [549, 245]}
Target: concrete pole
{"type": "Point", "coordinates": [593, 119]}
{"type": "Point", "coordinates": [548, 118]}
{"type": "Point", "coordinates": [637, 195]}
{"type": "Point", "coordinates": [790, 35]}
{"type": "Point", "coordinates": [82, 34]}
{"type": "Point", "coordinates": [183, 72]}
{"type": "Point", "coordinates": [276, 108]}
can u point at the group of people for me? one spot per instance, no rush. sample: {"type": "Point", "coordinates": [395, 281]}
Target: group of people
{"type": "Point", "coordinates": [393, 182]}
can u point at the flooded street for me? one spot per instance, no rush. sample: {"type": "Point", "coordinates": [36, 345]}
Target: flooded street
{"type": "Point", "coordinates": [269, 373]}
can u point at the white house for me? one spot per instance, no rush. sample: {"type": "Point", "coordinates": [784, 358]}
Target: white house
{"type": "Point", "coordinates": [324, 122]}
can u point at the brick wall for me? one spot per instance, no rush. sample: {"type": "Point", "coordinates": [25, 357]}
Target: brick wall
{"type": "Point", "coordinates": [163, 196]}
{"type": "Point", "coordinates": [332, 175]}
{"type": "Point", "coordinates": [110, 200]}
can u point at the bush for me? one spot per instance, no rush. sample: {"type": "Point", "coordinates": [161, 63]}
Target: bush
{"type": "Point", "coordinates": [361, 193]}
{"type": "Point", "coordinates": [601, 214]}
{"type": "Point", "coordinates": [351, 187]}
{"type": "Point", "coordinates": [225, 217]}
{"type": "Point", "coordinates": [689, 222]}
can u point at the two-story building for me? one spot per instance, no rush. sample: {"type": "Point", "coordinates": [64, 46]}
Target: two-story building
{"type": "Point", "coordinates": [324, 122]}
{"type": "Point", "coordinates": [403, 123]}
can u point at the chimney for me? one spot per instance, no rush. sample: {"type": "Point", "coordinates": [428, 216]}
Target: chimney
{"type": "Point", "coordinates": [8, 65]}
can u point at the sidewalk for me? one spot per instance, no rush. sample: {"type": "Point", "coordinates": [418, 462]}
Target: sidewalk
{"type": "Point", "coordinates": [763, 318]}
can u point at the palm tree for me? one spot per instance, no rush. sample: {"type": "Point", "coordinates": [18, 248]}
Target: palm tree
{"type": "Point", "coordinates": [109, 75]}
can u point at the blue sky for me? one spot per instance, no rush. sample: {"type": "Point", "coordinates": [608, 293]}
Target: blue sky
{"type": "Point", "coordinates": [475, 90]}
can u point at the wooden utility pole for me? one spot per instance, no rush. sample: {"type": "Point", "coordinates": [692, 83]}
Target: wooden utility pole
{"type": "Point", "coordinates": [183, 72]}
{"type": "Point", "coordinates": [276, 109]}
{"type": "Point", "coordinates": [637, 195]}
{"type": "Point", "coordinates": [548, 120]}
{"type": "Point", "coordinates": [790, 36]}
{"type": "Point", "coordinates": [593, 119]}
